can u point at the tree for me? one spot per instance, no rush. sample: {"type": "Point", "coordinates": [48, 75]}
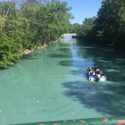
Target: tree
{"type": "Point", "coordinates": [30, 27]}
{"type": "Point", "coordinates": [109, 26]}
{"type": "Point", "coordinates": [110, 23]}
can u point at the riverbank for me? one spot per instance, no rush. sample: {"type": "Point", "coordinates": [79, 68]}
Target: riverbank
{"type": "Point", "coordinates": [17, 56]}
{"type": "Point", "coordinates": [70, 34]}
{"type": "Point", "coordinates": [27, 51]}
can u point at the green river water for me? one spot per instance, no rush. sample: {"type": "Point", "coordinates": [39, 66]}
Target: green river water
{"type": "Point", "coordinates": [51, 84]}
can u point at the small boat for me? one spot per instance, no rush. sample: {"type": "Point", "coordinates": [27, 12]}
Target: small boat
{"type": "Point", "coordinates": [95, 74]}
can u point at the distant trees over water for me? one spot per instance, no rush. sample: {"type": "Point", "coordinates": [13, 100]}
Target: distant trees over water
{"type": "Point", "coordinates": [30, 27]}
{"type": "Point", "coordinates": [108, 27]}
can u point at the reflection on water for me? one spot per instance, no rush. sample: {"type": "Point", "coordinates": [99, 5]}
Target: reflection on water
{"type": "Point", "coordinates": [51, 84]}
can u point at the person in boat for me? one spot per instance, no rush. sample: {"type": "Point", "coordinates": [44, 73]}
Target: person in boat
{"type": "Point", "coordinates": [90, 70]}
{"type": "Point", "coordinates": [92, 74]}
{"type": "Point", "coordinates": [100, 74]}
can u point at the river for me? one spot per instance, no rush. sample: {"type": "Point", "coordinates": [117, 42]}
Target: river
{"type": "Point", "coordinates": [51, 84]}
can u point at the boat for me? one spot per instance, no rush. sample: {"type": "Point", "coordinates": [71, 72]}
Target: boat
{"type": "Point", "coordinates": [95, 74]}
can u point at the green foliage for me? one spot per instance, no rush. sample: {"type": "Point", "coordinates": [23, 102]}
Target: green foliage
{"type": "Point", "coordinates": [76, 28]}
{"type": "Point", "coordinates": [109, 26]}
{"type": "Point", "coordinates": [86, 28]}
{"type": "Point", "coordinates": [29, 27]}
{"type": "Point", "coordinates": [8, 51]}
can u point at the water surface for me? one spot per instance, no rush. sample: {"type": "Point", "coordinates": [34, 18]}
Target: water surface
{"type": "Point", "coordinates": [51, 84]}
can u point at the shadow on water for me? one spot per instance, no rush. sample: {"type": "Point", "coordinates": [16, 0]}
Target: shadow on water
{"type": "Point", "coordinates": [24, 57]}
{"type": "Point", "coordinates": [65, 63]}
{"type": "Point", "coordinates": [59, 56]}
{"type": "Point", "coordinates": [64, 49]}
{"type": "Point", "coordinates": [104, 99]}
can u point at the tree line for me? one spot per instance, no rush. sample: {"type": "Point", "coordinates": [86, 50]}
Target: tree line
{"type": "Point", "coordinates": [30, 26]}
{"type": "Point", "coordinates": [108, 28]}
